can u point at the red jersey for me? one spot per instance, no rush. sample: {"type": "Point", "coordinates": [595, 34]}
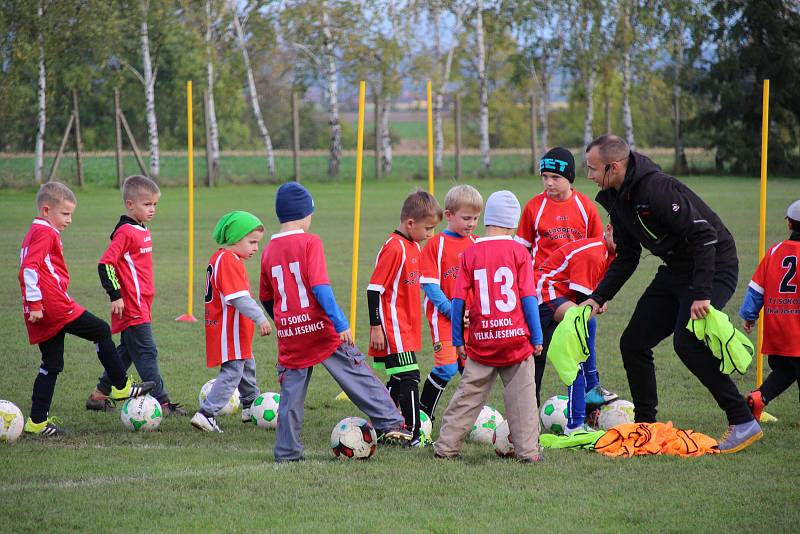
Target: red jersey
{"type": "Point", "coordinates": [44, 280]}
{"type": "Point", "coordinates": [547, 224]}
{"type": "Point", "coordinates": [441, 260]}
{"type": "Point", "coordinates": [229, 334]}
{"type": "Point", "coordinates": [497, 273]}
{"type": "Point", "coordinates": [292, 264]}
{"type": "Point", "coordinates": [777, 278]}
{"type": "Point", "coordinates": [396, 278]}
{"type": "Point", "coordinates": [129, 264]}
{"type": "Point", "coordinates": [577, 267]}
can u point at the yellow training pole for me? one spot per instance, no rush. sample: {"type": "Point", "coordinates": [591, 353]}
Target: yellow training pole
{"type": "Point", "coordinates": [188, 317]}
{"type": "Point", "coordinates": [762, 218]}
{"type": "Point", "coordinates": [362, 89]}
{"type": "Point", "coordinates": [430, 139]}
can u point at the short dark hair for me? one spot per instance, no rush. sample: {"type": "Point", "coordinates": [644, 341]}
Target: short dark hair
{"type": "Point", "coordinates": [420, 205]}
{"type": "Point", "coordinates": [795, 225]}
{"type": "Point", "coordinates": [611, 147]}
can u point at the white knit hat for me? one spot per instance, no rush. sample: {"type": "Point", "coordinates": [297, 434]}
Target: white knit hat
{"type": "Point", "coordinates": [794, 211]}
{"type": "Point", "coordinates": [502, 209]}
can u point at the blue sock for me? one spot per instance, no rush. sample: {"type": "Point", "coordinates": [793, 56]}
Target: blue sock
{"type": "Point", "coordinates": [590, 365]}
{"type": "Point", "coordinates": [576, 405]}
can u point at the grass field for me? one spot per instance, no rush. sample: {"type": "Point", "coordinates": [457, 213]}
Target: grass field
{"type": "Point", "coordinates": [101, 477]}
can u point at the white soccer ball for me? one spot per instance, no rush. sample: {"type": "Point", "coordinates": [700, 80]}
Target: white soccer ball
{"type": "Point", "coordinates": [141, 414]}
{"type": "Point", "coordinates": [11, 421]}
{"type": "Point", "coordinates": [554, 414]}
{"type": "Point", "coordinates": [228, 409]}
{"type": "Point", "coordinates": [486, 423]}
{"type": "Point", "coordinates": [503, 444]}
{"type": "Point", "coordinates": [618, 412]}
{"type": "Point", "coordinates": [353, 437]}
{"type": "Point", "coordinates": [425, 426]}
{"type": "Point", "coordinates": [264, 410]}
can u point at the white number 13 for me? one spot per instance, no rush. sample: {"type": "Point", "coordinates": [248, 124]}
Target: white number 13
{"type": "Point", "coordinates": [277, 274]}
{"type": "Point", "coordinates": [503, 276]}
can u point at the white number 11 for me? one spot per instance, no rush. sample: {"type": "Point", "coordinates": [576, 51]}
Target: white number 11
{"type": "Point", "coordinates": [277, 274]}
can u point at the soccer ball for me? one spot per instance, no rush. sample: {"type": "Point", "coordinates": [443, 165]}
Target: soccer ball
{"type": "Point", "coordinates": [486, 423]}
{"type": "Point", "coordinates": [228, 409]}
{"type": "Point", "coordinates": [141, 414]}
{"type": "Point", "coordinates": [503, 444]}
{"type": "Point", "coordinates": [264, 410]}
{"type": "Point", "coordinates": [11, 421]}
{"type": "Point", "coordinates": [615, 413]}
{"type": "Point", "coordinates": [425, 426]}
{"type": "Point", "coordinates": [554, 414]}
{"type": "Point", "coordinates": [353, 437]}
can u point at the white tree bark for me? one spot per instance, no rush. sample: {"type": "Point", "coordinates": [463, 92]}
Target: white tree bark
{"type": "Point", "coordinates": [588, 123]}
{"type": "Point", "coordinates": [627, 118]}
{"type": "Point", "coordinates": [39, 164]}
{"type": "Point", "coordinates": [544, 109]}
{"type": "Point", "coordinates": [680, 165]}
{"type": "Point", "coordinates": [213, 128]}
{"type": "Point", "coordinates": [253, 92]}
{"type": "Point", "coordinates": [386, 138]}
{"type": "Point", "coordinates": [333, 98]}
{"type": "Point", "coordinates": [444, 78]}
{"type": "Point", "coordinates": [149, 95]}
{"type": "Point", "coordinates": [484, 90]}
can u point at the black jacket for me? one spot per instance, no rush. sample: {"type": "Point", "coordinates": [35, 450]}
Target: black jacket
{"type": "Point", "coordinates": [655, 210]}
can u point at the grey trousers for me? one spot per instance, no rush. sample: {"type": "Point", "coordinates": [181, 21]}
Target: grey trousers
{"type": "Point", "coordinates": [233, 374]}
{"type": "Point", "coordinates": [346, 365]}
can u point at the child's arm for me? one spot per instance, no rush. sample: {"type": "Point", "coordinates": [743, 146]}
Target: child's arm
{"type": "Point", "coordinates": [248, 307]}
{"type": "Point", "coordinates": [377, 339]}
{"type": "Point", "coordinates": [436, 295]}
{"type": "Point", "coordinates": [108, 275]}
{"type": "Point", "coordinates": [324, 295]}
{"type": "Point", "coordinates": [32, 259]}
{"type": "Point", "coordinates": [751, 306]}
{"type": "Point", "coordinates": [530, 307]}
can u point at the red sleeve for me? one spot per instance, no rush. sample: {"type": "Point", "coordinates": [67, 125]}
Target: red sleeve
{"type": "Point", "coordinates": [265, 292]}
{"type": "Point", "coordinates": [316, 268]}
{"type": "Point", "coordinates": [525, 275]}
{"type": "Point", "coordinates": [525, 229]}
{"type": "Point", "coordinates": [115, 250]}
{"type": "Point", "coordinates": [585, 272]}
{"type": "Point", "coordinates": [389, 259]}
{"type": "Point", "coordinates": [32, 258]}
{"type": "Point", "coordinates": [760, 276]}
{"type": "Point", "coordinates": [231, 277]}
{"type": "Point", "coordinates": [430, 262]}
{"type": "Point", "coordinates": [463, 280]}
{"type": "Point", "coordinates": [595, 227]}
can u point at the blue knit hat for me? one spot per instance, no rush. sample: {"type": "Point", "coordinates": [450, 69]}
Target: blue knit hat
{"type": "Point", "coordinates": [293, 202]}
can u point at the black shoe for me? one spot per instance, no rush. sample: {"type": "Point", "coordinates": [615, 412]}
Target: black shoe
{"type": "Point", "coordinates": [173, 408]}
{"type": "Point", "coordinates": [290, 461]}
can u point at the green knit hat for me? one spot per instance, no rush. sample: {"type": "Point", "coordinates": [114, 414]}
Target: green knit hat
{"type": "Point", "coordinates": [233, 226]}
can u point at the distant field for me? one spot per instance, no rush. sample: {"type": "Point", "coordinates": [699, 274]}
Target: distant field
{"type": "Point", "coordinates": [103, 478]}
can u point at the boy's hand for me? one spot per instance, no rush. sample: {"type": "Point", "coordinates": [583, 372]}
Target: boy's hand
{"type": "Point", "coordinates": [748, 325]}
{"type": "Point", "coordinates": [597, 309]}
{"type": "Point", "coordinates": [346, 336]}
{"type": "Point", "coordinates": [466, 319]}
{"type": "Point", "coordinates": [117, 306]}
{"type": "Point", "coordinates": [377, 340]}
{"type": "Point", "coordinates": [265, 329]}
{"type": "Point", "coordinates": [35, 316]}
{"type": "Point", "coordinates": [461, 352]}
{"type": "Point", "coordinates": [537, 350]}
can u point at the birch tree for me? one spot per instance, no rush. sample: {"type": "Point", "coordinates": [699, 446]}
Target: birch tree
{"type": "Point", "coordinates": [42, 96]}
{"type": "Point", "coordinates": [213, 128]}
{"type": "Point", "coordinates": [333, 93]}
{"type": "Point", "coordinates": [483, 115]}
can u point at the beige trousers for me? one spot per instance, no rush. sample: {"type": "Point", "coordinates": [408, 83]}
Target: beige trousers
{"type": "Point", "coordinates": [522, 411]}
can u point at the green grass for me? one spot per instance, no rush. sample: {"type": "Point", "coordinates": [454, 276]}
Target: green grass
{"type": "Point", "coordinates": [104, 478]}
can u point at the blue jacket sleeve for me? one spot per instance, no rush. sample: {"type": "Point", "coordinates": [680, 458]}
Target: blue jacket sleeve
{"type": "Point", "coordinates": [324, 295]}
{"type": "Point", "coordinates": [752, 304]}
{"type": "Point", "coordinates": [457, 319]}
{"type": "Point", "coordinates": [530, 307]}
{"type": "Point", "coordinates": [435, 295]}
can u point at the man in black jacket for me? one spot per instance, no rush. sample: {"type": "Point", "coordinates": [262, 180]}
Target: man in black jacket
{"type": "Point", "coordinates": [652, 209]}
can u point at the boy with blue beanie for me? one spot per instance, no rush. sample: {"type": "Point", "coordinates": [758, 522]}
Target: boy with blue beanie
{"type": "Point", "coordinates": [296, 292]}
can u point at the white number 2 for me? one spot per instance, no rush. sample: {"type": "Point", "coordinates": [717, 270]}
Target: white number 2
{"type": "Point", "coordinates": [505, 277]}
{"type": "Point", "coordinates": [277, 274]}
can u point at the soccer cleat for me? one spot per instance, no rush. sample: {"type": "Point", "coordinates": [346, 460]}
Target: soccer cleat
{"type": "Point", "coordinates": [600, 395]}
{"type": "Point", "coordinates": [131, 390]}
{"type": "Point", "coordinates": [755, 401]}
{"type": "Point", "coordinates": [246, 415]}
{"type": "Point", "coordinates": [458, 457]}
{"type": "Point", "coordinates": [535, 459]}
{"type": "Point", "coordinates": [205, 423]}
{"type": "Point", "coordinates": [173, 408]}
{"type": "Point", "coordinates": [99, 402]}
{"type": "Point", "coordinates": [737, 437]}
{"type": "Point", "coordinates": [420, 442]}
{"type": "Point", "coordinates": [397, 435]}
{"type": "Point", "coordinates": [581, 428]}
{"type": "Point", "coordinates": [46, 429]}
{"type": "Point", "coordinates": [283, 461]}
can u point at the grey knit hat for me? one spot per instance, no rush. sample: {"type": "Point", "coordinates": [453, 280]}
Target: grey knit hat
{"type": "Point", "coordinates": [502, 209]}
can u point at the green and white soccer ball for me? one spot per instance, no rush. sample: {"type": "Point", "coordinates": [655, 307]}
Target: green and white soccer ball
{"type": "Point", "coordinates": [353, 437]}
{"type": "Point", "coordinates": [228, 409]}
{"type": "Point", "coordinates": [554, 414]}
{"type": "Point", "coordinates": [264, 410]}
{"type": "Point", "coordinates": [618, 412]}
{"type": "Point", "coordinates": [503, 444]}
{"type": "Point", "coordinates": [486, 423]}
{"type": "Point", "coordinates": [11, 421]}
{"type": "Point", "coordinates": [141, 414]}
{"type": "Point", "coordinates": [425, 426]}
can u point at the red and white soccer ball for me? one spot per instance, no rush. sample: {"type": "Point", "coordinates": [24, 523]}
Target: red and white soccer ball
{"type": "Point", "coordinates": [353, 437]}
{"type": "Point", "coordinates": [11, 421]}
{"type": "Point", "coordinates": [503, 444]}
{"type": "Point", "coordinates": [233, 403]}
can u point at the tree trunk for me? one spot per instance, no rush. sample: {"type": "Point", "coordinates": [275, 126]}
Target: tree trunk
{"type": "Point", "coordinates": [588, 122]}
{"type": "Point", "coordinates": [484, 91]}
{"type": "Point", "coordinates": [534, 128]}
{"type": "Point", "coordinates": [149, 97]}
{"type": "Point", "coordinates": [386, 138]}
{"type": "Point", "coordinates": [680, 166]}
{"type": "Point", "coordinates": [38, 169]}
{"type": "Point", "coordinates": [333, 99]}
{"type": "Point", "coordinates": [213, 129]}
{"type": "Point", "coordinates": [438, 100]}
{"type": "Point", "coordinates": [627, 118]}
{"type": "Point", "coordinates": [251, 82]}
{"type": "Point", "coordinates": [607, 109]}
{"type": "Point", "coordinates": [544, 109]}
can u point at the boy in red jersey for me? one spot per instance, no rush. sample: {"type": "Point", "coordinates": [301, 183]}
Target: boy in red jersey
{"type": "Point", "coordinates": [126, 273]}
{"type": "Point", "coordinates": [504, 333]}
{"type": "Point", "coordinates": [394, 304]}
{"type": "Point", "coordinates": [441, 258]}
{"type": "Point", "coordinates": [50, 313]}
{"type": "Point", "coordinates": [776, 287]}
{"type": "Point", "coordinates": [296, 292]}
{"type": "Point", "coordinates": [230, 312]}
{"type": "Point", "coordinates": [565, 279]}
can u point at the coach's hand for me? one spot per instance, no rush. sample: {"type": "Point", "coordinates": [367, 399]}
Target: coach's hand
{"type": "Point", "coordinates": [537, 350]}
{"type": "Point", "coordinates": [461, 352]}
{"type": "Point", "coordinates": [748, 325]}
{"type": "Point", "coordinates": [700, 309]}
{"type": "Point", "coordinates": [597, 309]}
{"type": "Point", "coordinates": [117, 306]}
{"type": "Point", "coordinates": [35, 316]}
{"type": "Point", "coordinates": [346, 336]}
{"type": "Point", "coordinates": [265, 328]}
{"type": "Point", "coordinates": [377, 341]}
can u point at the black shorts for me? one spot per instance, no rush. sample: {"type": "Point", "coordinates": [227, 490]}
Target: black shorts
{"type": "Point", "coordinates": [401, 362]}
